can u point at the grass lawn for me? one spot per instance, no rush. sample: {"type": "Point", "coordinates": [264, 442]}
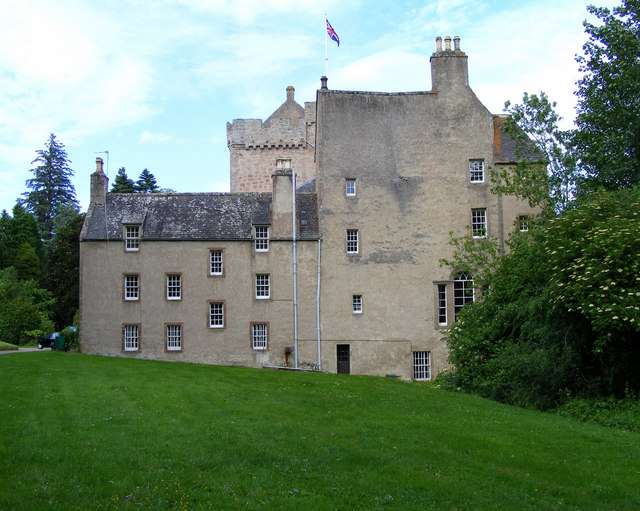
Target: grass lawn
{"type": "Point", "coordinates": [5, 346]}
{"type": "Point", "coordinates": [85, 432]}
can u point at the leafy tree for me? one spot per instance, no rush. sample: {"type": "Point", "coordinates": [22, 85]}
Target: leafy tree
{"type": "Point", "coordinates": [26, 263]}
{"type": "Point", "coordinates": [122, 183]}
{"type": "Point", "coordinates": [146, 183]}
{"type": "Point", "coordinates": [61, 278]}
{"type": "Point", "coordinates": [50, 185]}
{"type": "Point", "coordinates": [24, 307]}
{"type": "Point", "coordinates": [607, 138]}
{"type": "Point", "coordinates": [533, 124]}
{"type": "Point", "coordinates": [559, 315]}
{"type": "Point", "coordinates": [15, 232]}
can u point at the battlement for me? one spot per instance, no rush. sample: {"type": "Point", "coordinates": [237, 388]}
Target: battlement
{"type": "Point", "coordinates": [254, 145]}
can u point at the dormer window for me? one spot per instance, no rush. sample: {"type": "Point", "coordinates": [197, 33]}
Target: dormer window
{"type": "Point", "coordinates": [261, 239]}
{"type": "Point", "coordinates": [132, 238]}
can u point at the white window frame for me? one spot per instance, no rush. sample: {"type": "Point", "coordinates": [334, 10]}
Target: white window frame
{"type": "Point", "coordinates": [350, 187]}
{"type": "Point", "coordinates": [131, 337]}
{"type": "Point", "coordinates": [442, 304]}
{"type": "Point", "coordinates": [263, 286]}
{"type": "Point", "coordinates": [523, 223]}
{"type": "Point", "coordinates": [216, 262]}
{"type": "Point", "coordinates": [422, 365]}
{"type": "Point", "coordinates": [132, 238]}
{"type": "Point", "coordinates": [261, 238]}
{"type": "Point", "coordinates": [479, 223]}
{"type": "Point", "coordinates": [216, 314]}
{"type": "Point", "coordinates": [174, 286]}
{"type": "Point", "coordinates": [356, 304]}
{"type": "Point", "coordinates": [353, 241]}
{"type": "Point", "coordinates": [173, 339]}
{"type": "Point", "coordinates": [463, 292]}
{"type": "Point", "coordinates": [476, 171]}
{"type": "Point", "coordinates": [131, 288]}
{"type": "Point", "coordinates": [259, 336]}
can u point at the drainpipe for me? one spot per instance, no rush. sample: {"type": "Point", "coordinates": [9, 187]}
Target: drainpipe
{"type": "Point", "coordinates": [295, 273]}
{"type": "Point", "coordinates": [318, 310]}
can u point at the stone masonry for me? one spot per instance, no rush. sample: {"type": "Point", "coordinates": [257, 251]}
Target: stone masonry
{"type": "Point", "coordinates": [254, 145]}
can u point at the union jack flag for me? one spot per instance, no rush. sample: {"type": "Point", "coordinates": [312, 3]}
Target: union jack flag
{"type": "Point", "coordinates": [332, 33]}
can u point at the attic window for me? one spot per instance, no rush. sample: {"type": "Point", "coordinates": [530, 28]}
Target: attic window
{"type": "Point", "coordinates": [132, 238]}
{"type": "Point", "coordinates": [261, 239]}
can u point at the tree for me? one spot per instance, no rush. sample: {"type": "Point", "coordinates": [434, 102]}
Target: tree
{"type": "Point", "coordinates": [560, 314]}
{"type": "Point", "coordinates": [26, 263]}
{"type": "Point", "coordinates": [533, 124]}
{"type": "Point", "coordinates": [607, 138]}
{"type": "Point", "coordinates": [24, 307]}
{"type": "Point", "coordinates": [122, 183]}
{"type": "Point", "coordinates": [146, 183]}
{"type": "Point", "coordinates": [15, 232]}
{"type": "Point", "coordinates": [50, 185]}
{"type": "Point", "coordinates": [62, 276]}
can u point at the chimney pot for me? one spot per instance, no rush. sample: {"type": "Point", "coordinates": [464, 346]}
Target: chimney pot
{"type": "Point", "coordinates": [438, 44]}
{"type": "Point", "coordinates": [456, 43]}
{"type": "Point", "coordinates": [447, 43]}
{"type": "Point", "coordinates": [323, 83]}
{"type": "Point", "coordinates": [290, 93]}
{"type": "Point", "coordinates": [99, 163]}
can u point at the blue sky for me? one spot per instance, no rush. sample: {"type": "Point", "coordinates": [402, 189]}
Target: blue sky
{"type": "Point", "coordinates": [154, 82]}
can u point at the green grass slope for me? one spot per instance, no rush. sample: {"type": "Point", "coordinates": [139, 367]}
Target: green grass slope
{"type": "Point", "coordinates": [84, 432]}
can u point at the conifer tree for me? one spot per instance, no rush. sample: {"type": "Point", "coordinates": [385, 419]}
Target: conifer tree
{"type": "Point", "coordinates": [122, 183]}
{"type": "Point", "coordinates": [50, 186]}
{"type": "Point", "coordinates": [146, 183]}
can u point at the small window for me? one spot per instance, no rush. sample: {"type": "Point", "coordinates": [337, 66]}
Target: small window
{"type": "Point", "coordinates": [356, 304]}
{"type": "Point", "coordinates": [476, 171]}
{"type": "Point", "coordinates": [261, 239]}
{"type": "Point", "coordinates": [352, 241]}
{"type": "Point", "coordinates": [350, 187]}
{"type": "Point", "coordinates": [174, 337]}
{"type": "Point", "coordinates": [131, 337]}
{"type": "Point", "coordinates": [442, 304]}
{"type": "Point", "coordinates": [215, 262]}
{"type": "Point", "coordinates": [523, 223]}
{"type": "Point", "coordinates": [463, 292]}
{"type": "Point", "coordinates": [422, 365]}
{"type": "Point", "coordinates": [259, 336]}
{"type": "Point", "coordinates": [131, 287]}
{"type": "Point", "coordinates": [479, 223]}
{"type": "Point", "coordinates": [132, 238]}
{"type": "Point", "coordinates": [216, 315]}
{"type": "Point", "coordinates": [174, 287]}
{"type": "Point", "coordinates": [263, 287]}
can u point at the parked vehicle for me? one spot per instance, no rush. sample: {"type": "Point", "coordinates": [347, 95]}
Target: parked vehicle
{"type": "Point", "coordinates": [48, 341]}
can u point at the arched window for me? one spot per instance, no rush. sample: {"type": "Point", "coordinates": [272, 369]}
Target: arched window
{"type": "Point", "coordinates": [462, 291]}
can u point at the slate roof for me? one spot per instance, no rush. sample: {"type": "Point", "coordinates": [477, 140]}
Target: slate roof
{"type": "Point", "coordinates": [191, 216]}
{"type": "Point", "coordinates": [505, 147]}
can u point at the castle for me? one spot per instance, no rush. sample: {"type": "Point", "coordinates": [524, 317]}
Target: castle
{"type": "Point", "coordinates": [325, 254]}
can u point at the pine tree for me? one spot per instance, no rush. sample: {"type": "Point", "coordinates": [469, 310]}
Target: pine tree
{"type": "Point", "coordinates": [146, 183]}
{"type": "Point", "coordinates": [122, 183]}
{"type": "Point", "coordinates": [50, 185]}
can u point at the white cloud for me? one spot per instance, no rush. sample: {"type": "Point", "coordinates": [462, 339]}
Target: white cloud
{"type": "Point", "coordinates": [146, 137]}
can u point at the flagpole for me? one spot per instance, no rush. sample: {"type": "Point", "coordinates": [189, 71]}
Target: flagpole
{"type": "Point", "coordinates": [326, 57]}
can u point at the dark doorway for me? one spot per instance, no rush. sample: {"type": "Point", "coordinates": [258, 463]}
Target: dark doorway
{"type": "Point", "coordinates": [342, 353]}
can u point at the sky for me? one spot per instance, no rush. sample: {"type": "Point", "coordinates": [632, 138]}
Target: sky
{"type": "Point", "coordinates": [154, 82]}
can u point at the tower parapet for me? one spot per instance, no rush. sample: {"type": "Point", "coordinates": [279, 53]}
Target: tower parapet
{"type": "Point", "coordinates": [254, 145]}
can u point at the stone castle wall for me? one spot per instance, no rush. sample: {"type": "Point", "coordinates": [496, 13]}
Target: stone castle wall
{"type": "Point", "coordinates": [255, 145]}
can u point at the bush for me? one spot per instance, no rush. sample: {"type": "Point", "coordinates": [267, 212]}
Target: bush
{"type": "Point", "coordinates": [71, 336]}
{"type": "Point", "coordinates": [611, 412]}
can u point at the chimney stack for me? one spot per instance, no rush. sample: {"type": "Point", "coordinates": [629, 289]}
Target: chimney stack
{"type": "Point", "coordinates": [282, 199]}
{"type": "Point", "coordinates": [99, 184]}
{"type": "Point", "coordinates": [449, 68]}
